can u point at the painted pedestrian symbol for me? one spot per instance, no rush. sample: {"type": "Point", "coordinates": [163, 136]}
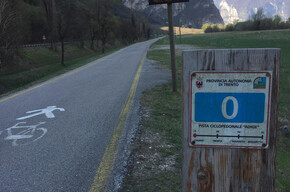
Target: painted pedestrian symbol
{"type": "Point", "coordinates": [47, 111]}
{"type": "Point", "coordinates": [21, 134]}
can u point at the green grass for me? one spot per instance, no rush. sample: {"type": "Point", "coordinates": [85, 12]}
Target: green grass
{"type": "Point", "coordinates": [166, 113]}
{"type": "Point", "coordinates": [38, 64]}
{"type": "Point", "coordinates": [166, 121]}
{"type": "Point", "coordinates": [166, 106]}
{"type": "Point", "coordinates": [283, 169]}
{"type": "Point", "coordinates": [163, 182]}
{"type": "Point", "coordinates": [260, 39]}
{"type": "Point", "coordinates": [263, 39]}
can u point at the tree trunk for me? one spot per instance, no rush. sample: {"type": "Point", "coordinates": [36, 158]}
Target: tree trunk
{"type": "Point", "coordinates": [103, 48]}
{"type": "Point", "coordinates": [62, 53]}
{"type": "Point", "coordinates": [98, 43]}
{"type": "Point", "coordinates": [54, 46]}
{"type": "Point", "coordinates": [82, 44]}
{"type": "Point", "coordinates": [92, 43]}
{"type": "Point", "coordinates": [103, 45]}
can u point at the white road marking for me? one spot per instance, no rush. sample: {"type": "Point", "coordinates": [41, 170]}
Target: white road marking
{"type": "Point", "coordinates": [20, 132]}
{"type": "Point", "coordinates": [47, 111]}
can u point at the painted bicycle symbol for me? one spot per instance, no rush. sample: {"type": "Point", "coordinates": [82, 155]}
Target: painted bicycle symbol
{"type": "Point", "coordinates": [21, 134]}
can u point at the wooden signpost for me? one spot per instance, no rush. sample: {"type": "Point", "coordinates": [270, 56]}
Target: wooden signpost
{"type": "Point", "coordinates": [171, 35]}
{"type": "Point", "coordinates": [230, 112]}
{"type": "Point", "coordinates": [154, 2]}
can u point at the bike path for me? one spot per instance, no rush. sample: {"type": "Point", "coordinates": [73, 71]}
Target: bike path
{"type": "Point", "coordinates": [68, 123]}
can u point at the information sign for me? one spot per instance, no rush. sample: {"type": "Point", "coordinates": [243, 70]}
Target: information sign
{"type": "Point", "coordinates": [230, 109]}
{"type": "Point", "coordinates": [153, 2]}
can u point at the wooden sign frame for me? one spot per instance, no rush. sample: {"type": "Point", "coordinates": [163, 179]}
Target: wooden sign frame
{"type": "Point", "coordinates": [208, 169]}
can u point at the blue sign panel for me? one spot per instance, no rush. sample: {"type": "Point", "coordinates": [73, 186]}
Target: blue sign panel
{"type": "Point", "coordinates": [229, 107]}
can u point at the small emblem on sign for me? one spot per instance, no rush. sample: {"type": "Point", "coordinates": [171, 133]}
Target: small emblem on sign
{"type": "Point", "coordinates": [260, 83]}
{"type": "Point", "coordinates": [199, 83]}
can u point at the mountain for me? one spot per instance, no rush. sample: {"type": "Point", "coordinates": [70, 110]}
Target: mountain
{"type": "Point", "coordinates": [232, 10]}
{"type": "Point", "coordinates": [191, 14]}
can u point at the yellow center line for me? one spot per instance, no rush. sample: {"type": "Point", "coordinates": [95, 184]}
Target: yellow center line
{"type": "Point", "coordinates": [105, 168]}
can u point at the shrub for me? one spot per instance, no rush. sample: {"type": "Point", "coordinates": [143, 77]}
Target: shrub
{"type": "Point", "coordinates": [215, 28]}
{"type": "Point", "coordinates": [229, 27]}
{"type": "Point", "coordinates": [221, 27]}
{"type": "Point", "coordinates": [208, 29]}
{"type": "Point", "coordinates": [205, 26]}
{"type": "Point", "coordinates": [266, 23]}
{"type": "Point", "coordinates": [277, 20]}
{"type": "Point", "coordinates": [244, 26]}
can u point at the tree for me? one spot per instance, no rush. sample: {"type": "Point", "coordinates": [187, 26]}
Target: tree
{"type": "Point", "coordinates": [277, 21]}
{"type": "Point", "coordinates": [93, 29]}
{"type": "Point", "coordinates": [266, 24]}
{"type": "Point", "coordinates": [221, 27]}
{"type": "Point", "coordinates": [257, 18]}
{"type": "Point", "coordinates": [50, 14]}
{"type": "Point", "coordinates": [259, 15]}
{"type": "Point", "coordinates": [288, 23]}
{"type": "Point", "coordinates": [205, 26]}
{"type": "Point", "coordinates": [92, 20]}
{"type": "Point", "coordinates": [208, 29]}
{"type": "Point", "coordinates": [215, 28]}
{"type": "Point", "coordinates": [79, 25]}
{"type": "Point", "coordinates": [107, 26]}
{"type": "Point", "coordinates": [126, 31]}
{"type": "Point", "coordinates": [64, 15]}
{"type": "Point", "coordinates": [8, 32]}
{"type": "Point", "coordinates": [108, 23]}
{"type": "Point", "coordinates": [229, 27]}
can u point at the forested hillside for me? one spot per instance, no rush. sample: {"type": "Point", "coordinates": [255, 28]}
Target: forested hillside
{"type": "Point", "coordinates": [51, 21]}
{"type": "Point", "coordinates": [193, 13]}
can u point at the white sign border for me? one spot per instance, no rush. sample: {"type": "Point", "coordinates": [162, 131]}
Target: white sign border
{"type": "Point", "coordinates": [265, 145]}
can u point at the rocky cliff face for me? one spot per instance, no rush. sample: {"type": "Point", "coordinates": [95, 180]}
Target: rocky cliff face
{"type": "Point", "coordinates": [232, 10]}
{"type": "Point", "coordinates": [191, 14]}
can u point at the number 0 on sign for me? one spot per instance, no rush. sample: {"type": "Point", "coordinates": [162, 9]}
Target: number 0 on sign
{"type": "Point", "coordinates": [230, 109]}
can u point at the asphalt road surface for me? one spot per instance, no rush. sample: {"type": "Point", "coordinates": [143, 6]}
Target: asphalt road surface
{"type": "Point", "coordinates": [53, 136]}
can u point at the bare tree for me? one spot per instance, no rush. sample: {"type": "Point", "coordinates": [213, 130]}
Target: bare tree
{"type": "Point", "coordinates": [106, 20]}
{"type": "Point", "coordinates": [92, 20]}
{"type": "Point", "coordinates": [7, 31]}
{"type": "Point", "coordinates": [257, 18]}
{"type": "Point", "coordinates": [49, 8]}
{"type": "Point", "coordinates": [93, 29]}
{"type": "Point", "coordinates": [64, 15]}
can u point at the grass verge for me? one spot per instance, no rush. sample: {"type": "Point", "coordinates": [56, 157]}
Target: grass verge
{"type": "Point", "coordinates": [35, 65]}
{"type": "Point", "coordinates": [157, 165]}
{"type": "Point", "coordinates": [163, 112]}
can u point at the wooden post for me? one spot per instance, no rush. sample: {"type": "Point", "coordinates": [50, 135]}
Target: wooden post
{"type": "Point", "coordinates": [172, 47]}
{"type": "Point", "coordinates": [171, 35]}
{"type": "Point", "coordinates": [179, 34]}
{"type": "Point", "coordinates": [209, 169]}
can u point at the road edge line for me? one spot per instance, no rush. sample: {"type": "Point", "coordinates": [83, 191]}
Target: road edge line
{"type": "Point", "coordinates": [106, 166]}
